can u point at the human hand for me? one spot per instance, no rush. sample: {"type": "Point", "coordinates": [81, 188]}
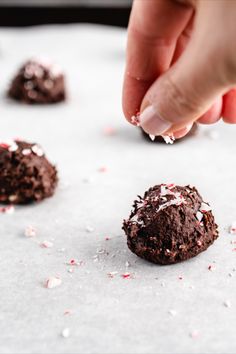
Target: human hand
{"type": "Point", "coordinates": [181, 64]}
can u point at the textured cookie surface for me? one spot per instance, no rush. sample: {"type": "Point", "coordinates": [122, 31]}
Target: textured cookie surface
{"type": "Point", "coordinates": [38, 82]}
{"type": "Point", "coordinates": [170, 224]}
{"type": "Point", "coordinates": [25, 173]}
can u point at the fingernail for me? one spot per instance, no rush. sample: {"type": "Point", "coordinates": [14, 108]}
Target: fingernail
{"type": "Point", "coordinates": [152, 123]}
{"type": "Point", "coordinates": [182, 132]}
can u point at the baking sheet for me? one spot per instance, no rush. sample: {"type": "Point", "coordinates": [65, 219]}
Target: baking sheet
{"type": "Point", "coordinates": [184, 308]}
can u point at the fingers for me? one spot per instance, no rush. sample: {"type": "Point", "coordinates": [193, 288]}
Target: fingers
{"type": "Point", "coordinates": [186, 91]}
{"type": "Point", "coordinates": [229, 107]}
{"type": "Point", "coordinates": [154, 28]}
{"type": "Point", "coordinates": [182, 132]}
{"type": "Point", "coordinates": [183, 40]}
{"type": "Point", "coordinates": [213, 114]}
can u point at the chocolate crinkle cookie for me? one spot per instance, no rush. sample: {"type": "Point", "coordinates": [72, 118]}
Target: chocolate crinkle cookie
{"type": "Point", "coordinates": [38, 81]}
{"type": "Point", "coordinates": [170, 224]}
{"type": "Point", "coordinates": [25, 173]}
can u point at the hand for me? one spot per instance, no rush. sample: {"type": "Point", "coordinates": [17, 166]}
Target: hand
{"type": "Point", "coordinates": [181, 64]}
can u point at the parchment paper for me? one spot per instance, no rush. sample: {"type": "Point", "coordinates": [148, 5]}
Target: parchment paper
{"type": "Point", "coordinates": [185, 308]}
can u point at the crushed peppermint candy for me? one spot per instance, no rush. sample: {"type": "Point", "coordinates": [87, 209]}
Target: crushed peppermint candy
{"type": "Point", "coordinates": [53, 282]}
{"type": "Point", "coordinates": [102, 251]}
{"type": "Point", "coordinates": [26, 152]}
{"type": "Point", "coordinates": [37, 150]}
{"type": "Point", "coordinates": [13, 147]}
{"type": "Point", "coordinates": [135, 119]}
{"type": "Point", "coordinates": [173, 313]}
{"type": "Point", "coordinates": [67, 312]}
{"type": "Point", "coordinates": [102, 169]}
{"type": "Point", "coordinates": [9, 209]}
{"type": "Point", "coordinates": [199, 216]}
{"type": "Point", "coordinates": [205, 207]}
{"type": "Point", "coordinates": [112, 274]}
{"type": "Point", "coordinates": [152, 137]}
{"type": "Point", "coordinates": [9, 145]}
{"type": "Point", "coordinates": [65, 333]}
{"type": "Point", "coordinates": [232, 229]}
{"type": "Point", "coordinates": [194, 334]}
{"type": "Point", "coordinates": [108, 131]}
{"type": "Point", "coordinates": [126, 275]}
{"type": "Point", "coordinates": [74, 262]}
{"type": "Point", "coordinates": [166, 189]}
{"type": "Point", "coordinates": [169, 139]}
{"type": "Point", "coordinates": [211, 267]}
{"type": "Point", "coordinates": [30, 231]}
{"type": "Point", "coordinates": [46, 244]}
{"type": "Point", "coordinates": [89, 229]}
{"type": "Point", "coordinates": [178, 200]}
{"type": "Point", "coordinates": [4, 145]}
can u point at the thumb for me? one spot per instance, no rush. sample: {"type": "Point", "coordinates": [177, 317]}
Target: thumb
{"type": "Point", "coordinates": [184, 92]}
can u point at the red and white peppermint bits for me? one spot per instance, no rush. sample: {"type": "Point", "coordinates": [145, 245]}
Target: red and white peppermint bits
{"type": "Point", "coordinates": [53, 282]}
{"type": "Point", "coordinates": [102, 169]}
{"type": "Point", "coordinates": [37, 150]}
{"type": "Point", "coordinates": [232, 228]}
{"type": "Point", "coordinates": [26, 152]}
{"type": "Point", "coordinates": [9, 145]}
{"type": "Point", "coordinates": [9, 209]}
{"type": "Point", "coordinates": [135, 120]}
{"type": "Point", "coordinates": [109, 131]}
{"type": "Point", "coordinates": [169, 139]}
{"type": "Point", "coordinates": [46, 244]}
{"type": "Point", "coordinates": [30, 231]}
{"type": "Point", "coordinates": [126, 275]}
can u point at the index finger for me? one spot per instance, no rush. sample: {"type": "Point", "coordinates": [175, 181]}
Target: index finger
{"type": "Point", "coordinates": [154, 28]}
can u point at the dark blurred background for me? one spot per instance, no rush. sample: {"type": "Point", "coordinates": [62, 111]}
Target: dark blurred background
{"type": "Point", "coordinates": [37, 12]}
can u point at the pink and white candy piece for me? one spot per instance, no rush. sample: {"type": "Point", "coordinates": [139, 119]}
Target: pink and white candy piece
{"type": "Point", "coordinates": [65, 333]}
{"type": "Point", "coordinates": [169, 139]}
{"type": "Point", "coordinates": [232, 229]}
{"type": "Point", "coordinates": [46, 244]}
{"type": "Point", "coordinates": [30, 231]}
{"type": "Point", "coordinates": [37, 150]}
{"type": "Point", "coordinates": [53, 282]}
{"type": "Point", "coordinates": [9, 145]}
{"type": "Point", "coordinates": [135, 119]}
{"type": "Point", "coordinates": [9, 209]}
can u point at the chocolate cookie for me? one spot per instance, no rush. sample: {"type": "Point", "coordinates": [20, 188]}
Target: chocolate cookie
{"type": "Point", "coordinates": [170, 224]}
{"type": "Point", "coordinates": [25, 173]}
{"type": "Point", "coordinates": [38, 82]}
